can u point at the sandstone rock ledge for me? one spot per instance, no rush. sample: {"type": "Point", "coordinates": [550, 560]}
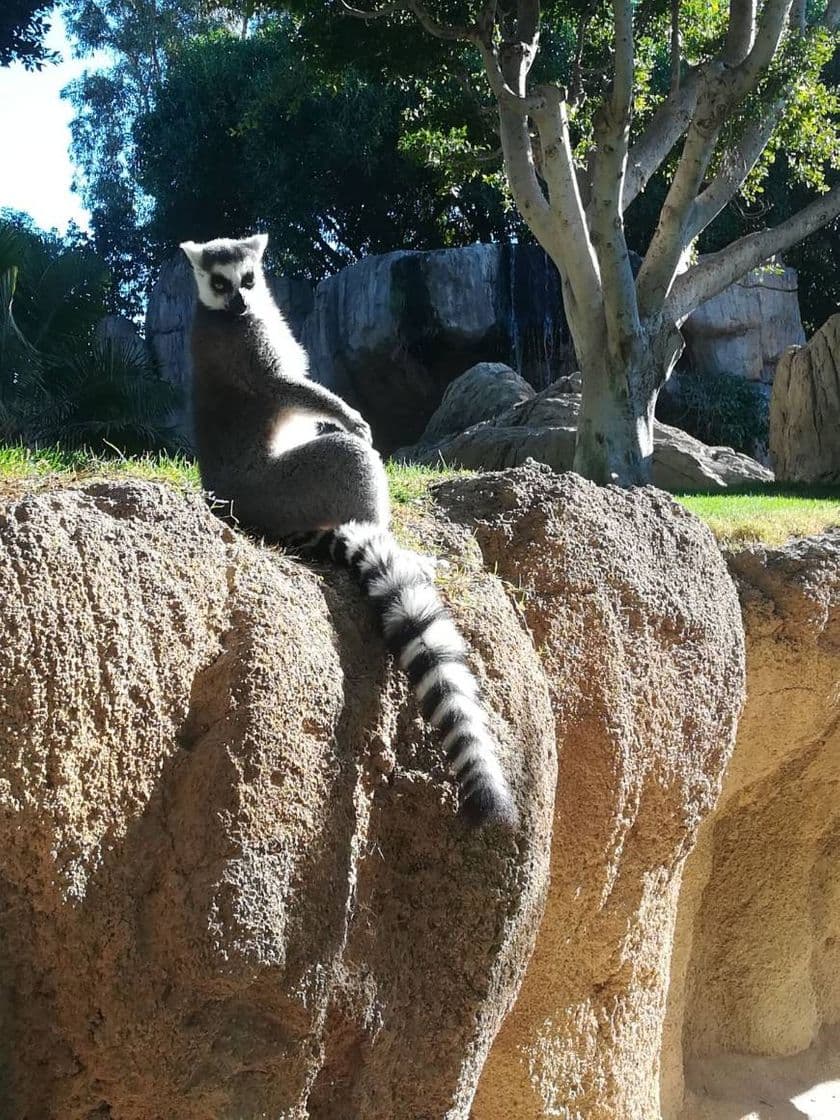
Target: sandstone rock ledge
{"type": "Point", "coordinates": [754, 1006]}
{"type": "Point", "coordinates": [232, 882]}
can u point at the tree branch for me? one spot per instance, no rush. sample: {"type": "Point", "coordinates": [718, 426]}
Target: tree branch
{"type": "Point", "coordinates": [450, 32]}
{"type": "Point", "coordinates": [740, 32]}
{"type": "Point", "coordinates": [612, 131]}
{"type": "Point", "coordinates": [675, 46]}
{"type": "Point", "coordinates": [668, 124]}
{"type": "Point", "coordinates": [528, 28]}
{"type": "Point", "coordinates": [736, 165]}
{"type": "Point", "coordinates": [570, 246]}
{"type": "Point", "coordinates": [771, 27]}
{"type": "Point", "coordinates": [719, 270]}
{"type": "Point", "coordinates": [670, 239]}
{"type": "Point", "coordinates": [511, 96]}
{"type": "Point", "coordinates": [621, 99]}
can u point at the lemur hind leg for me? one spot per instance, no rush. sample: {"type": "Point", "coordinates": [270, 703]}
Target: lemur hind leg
{"type": "Point", "coordinates": [321, 484]}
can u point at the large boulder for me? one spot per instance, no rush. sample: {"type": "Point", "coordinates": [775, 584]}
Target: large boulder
{"type": "Point", "coordinates": [637, 622]}
{"type": "Point", "coordinates": [754, 1000]}
{"type": "Point", "coordinates": [391, 332]}
{"type": "Point", "coordinates": [483, 392]}
{"type": "Point", "coordinates": [169, 315]}
{"type": "Point", "coordinates": [745, 329]}
{"type": "Point", "coordinates": [805, 410]}
{"type": "Point", "coordinates": [543, 428]}
{"type": "Point", "coordinates": [233, 882]}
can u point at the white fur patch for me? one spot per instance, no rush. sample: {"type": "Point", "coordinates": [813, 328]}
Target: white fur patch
{"type": "Point", "coordinates": [293, 429]}
{"type": "Point", "coordinates": [441, 636]}
{"type": "Point", "coordinates": [452, 674]}
{"type": "Point", "coordinates": [464, 709]}
{"type": "Point", "coordinates": [412, 603]}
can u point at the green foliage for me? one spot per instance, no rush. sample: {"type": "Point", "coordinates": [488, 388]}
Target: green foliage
{"type": "Point", "coordinates": [23, 27]}
{"type": "Point", "coordinates": [319, 161]}
{"type": "Point", "coordinates": [334, 162]}
{"type": "Point", "coordinates": [106, 103]}
{"type": "Point", "coordinates": [57, 382]}
{"type": "Point", "coordinates": [720, 409]}
{"type": "Point", "coordinates": [345, 137]}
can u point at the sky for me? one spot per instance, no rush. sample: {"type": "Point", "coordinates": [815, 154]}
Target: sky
{"type": "Point", "coordinates": [36, 173]}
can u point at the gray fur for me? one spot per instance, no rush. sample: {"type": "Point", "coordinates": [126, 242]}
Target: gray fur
{"type": "Point", "coordinates": [255, 415]}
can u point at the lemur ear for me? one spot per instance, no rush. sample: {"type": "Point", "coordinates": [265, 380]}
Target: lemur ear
{"type": "Point", "coordinates": [193, 251]}
{"type": "Point", "coordinates": [257, 243]}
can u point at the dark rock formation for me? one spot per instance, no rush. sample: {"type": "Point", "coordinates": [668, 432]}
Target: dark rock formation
{"type": "Point", "coordinates": [391, 332]}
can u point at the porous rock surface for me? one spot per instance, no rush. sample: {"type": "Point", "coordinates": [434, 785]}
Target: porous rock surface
{"type": "Point", "coordinates": [645, 715]}
{"type": "Point", "coordinates": [543, 428]}
{"type": "Point", "coordinates": [754, 1006]}
{"type": "Point", "coordinates": [229, 887]}
{"type": "Point", "coordinates": [233, 883]}
{"type": "Point", "coordinates": [805, 410]}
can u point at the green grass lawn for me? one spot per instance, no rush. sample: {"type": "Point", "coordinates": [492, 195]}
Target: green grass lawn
{"type": "Point", "coordinates": [769, 513]}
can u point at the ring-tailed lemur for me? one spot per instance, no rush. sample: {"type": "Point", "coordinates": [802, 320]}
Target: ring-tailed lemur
{"type": "Point", "coordinates": [255, 415]}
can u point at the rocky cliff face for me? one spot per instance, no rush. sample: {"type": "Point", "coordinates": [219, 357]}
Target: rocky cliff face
{"type": "Point", "coordinates": [805, 410]}
{"type": "Point", "coordinates": [754, 1002]}
{"type": "Point", "coordinates": [392, 331]}
{"type": "Point", "coordinates": [746, 329]}
{"type": "Point", "coordinates": [233, 882]}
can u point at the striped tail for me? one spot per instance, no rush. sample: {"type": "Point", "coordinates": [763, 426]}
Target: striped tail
{"type": "Point", "coordinates": [421, 635]}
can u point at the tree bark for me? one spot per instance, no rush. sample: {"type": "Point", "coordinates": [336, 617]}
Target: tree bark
{"type": "Point", "coordinates": [615, 427]}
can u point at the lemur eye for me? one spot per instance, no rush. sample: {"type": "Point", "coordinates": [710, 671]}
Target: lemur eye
{"type": "Point", "coordinates": [219, 284]}
{"type": "Point", "coordinates": [248, 280]}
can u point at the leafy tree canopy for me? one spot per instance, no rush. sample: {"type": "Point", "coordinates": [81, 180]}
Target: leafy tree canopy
{"type": "Point", "coordinates": [23, 27]}
{"type": "Point", "coordinates": [318, 161]}
{"type": "Point", "coordinates": [58, 382]}
{"type": "Point", "coordinates": [345, 136]}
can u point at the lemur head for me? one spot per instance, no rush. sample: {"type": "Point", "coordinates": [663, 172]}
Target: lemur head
{"type": "Point", "coordinates": [228, 273]}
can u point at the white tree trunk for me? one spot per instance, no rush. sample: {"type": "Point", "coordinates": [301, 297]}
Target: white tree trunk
{"type": "Point", "coordinates": [614, 442]}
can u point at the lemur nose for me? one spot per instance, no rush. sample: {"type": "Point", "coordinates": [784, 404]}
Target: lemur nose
{"type": "Point", "coordinates": [237, 303]}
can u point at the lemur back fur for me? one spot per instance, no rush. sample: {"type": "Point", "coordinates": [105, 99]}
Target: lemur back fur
{"type": "Point", "coordinates": [255, 416]}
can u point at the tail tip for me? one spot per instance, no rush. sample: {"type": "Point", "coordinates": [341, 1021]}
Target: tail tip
{"type": "Point", "coordinates": [489, 805]}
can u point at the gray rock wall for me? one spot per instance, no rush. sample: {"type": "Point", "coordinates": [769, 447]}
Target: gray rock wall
{"type": "Point", "coordinates": [746, 328]}
{"type": "Point", "coordinates": [805, 410]}
{"type": "Point", "coordinates": [391, 332]}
